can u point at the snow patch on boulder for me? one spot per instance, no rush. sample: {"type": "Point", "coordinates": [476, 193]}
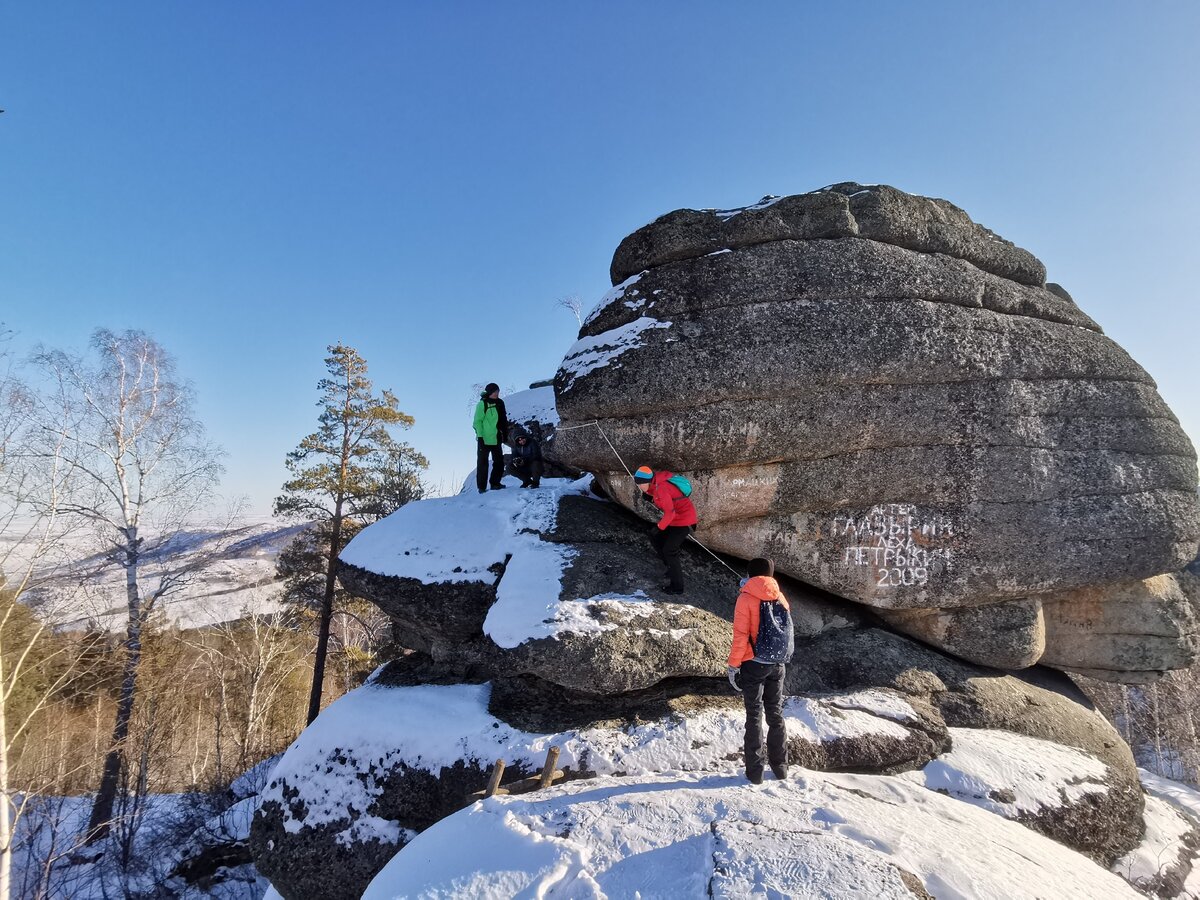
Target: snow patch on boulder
{"type": "Point", "coordinates": [714, 835]}
{"type": "Point", "coordinates": [995, 770]}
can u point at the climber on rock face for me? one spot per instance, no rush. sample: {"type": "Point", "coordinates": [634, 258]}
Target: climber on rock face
{"type": "Point", "coordinates": [491, 429]}
{"type": "Point", "coordinates": [670, 493]}
{"type": "Point", "coordinates": [763, 640]}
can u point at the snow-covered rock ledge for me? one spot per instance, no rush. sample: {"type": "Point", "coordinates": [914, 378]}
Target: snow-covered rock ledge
{"type": "Point", "coordinates": [711, 835]}
{"type": "Point", "coordinates": [383, 763]}
{"type": "Point", "coordinates": [554, 583]}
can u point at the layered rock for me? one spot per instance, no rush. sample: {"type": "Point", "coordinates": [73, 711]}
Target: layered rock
{"type": "Point", "coordinates": [556, 584]}
{"type": "Point", "coordinates": [540, 622]}
{"type": "Point", "coordinates": [889, 400]}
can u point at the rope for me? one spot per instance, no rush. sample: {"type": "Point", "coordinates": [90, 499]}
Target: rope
{"type": "Point", "coordinates": [691, 537]}
{"type": "Point", "coordinates": [717, 558]}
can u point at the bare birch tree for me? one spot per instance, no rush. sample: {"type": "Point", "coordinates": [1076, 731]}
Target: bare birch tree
{"type": "Point", "coordinates": [141, 471]}
{"type": "Point", "coordinates": [31, 529]}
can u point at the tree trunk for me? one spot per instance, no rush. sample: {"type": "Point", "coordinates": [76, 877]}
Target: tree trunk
{"type": "Point", "coordinates": [335, 540]}
{"type": "Point", "coordinates": [106, 796]}
{"type": "Point", "coordinates": [6, 823]}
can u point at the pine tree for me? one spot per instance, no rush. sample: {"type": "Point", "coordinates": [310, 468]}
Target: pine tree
{"type": "Point", "coordinates": [348, 472]}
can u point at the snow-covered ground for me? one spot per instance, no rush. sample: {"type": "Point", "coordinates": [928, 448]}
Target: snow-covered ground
{"type": "Point", "coordinates": [713, 835]}
{"type": "Point", "coordinates": [51, 860]}
{"type": "Point", "coordinates": [993, 770]}
{"type": "Point", "coordinates": [671, 814]}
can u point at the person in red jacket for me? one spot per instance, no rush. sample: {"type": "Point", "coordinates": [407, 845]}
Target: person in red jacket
{"type": "Point", "coordinates": [763, 641]}
{"type": "Point", "coordinates": [677, 522]}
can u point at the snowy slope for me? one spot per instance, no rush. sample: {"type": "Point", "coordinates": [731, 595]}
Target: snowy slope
{"type": "Point", "coordinates": [428, 727]}
{"type": "Point", "coordinates": [671, 815]}
{"type": "Point", "coordinates": [235, 575]}
{"type": "Point", "coordinates": [991, 769]}
{"type": "Point", "coordinates": [698, 835]}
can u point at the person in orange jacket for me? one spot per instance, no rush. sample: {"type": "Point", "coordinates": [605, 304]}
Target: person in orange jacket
{"type": "Point", "coordinates": [677, 522]}
{"type": "Point", "coordinates": [763, 641]}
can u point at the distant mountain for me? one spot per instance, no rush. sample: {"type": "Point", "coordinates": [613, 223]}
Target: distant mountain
{"type": "Point", "coordinates": [232, 574]}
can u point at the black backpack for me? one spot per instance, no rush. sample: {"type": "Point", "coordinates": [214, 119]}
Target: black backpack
{"type": "Point", "coordinates": [776, 636]}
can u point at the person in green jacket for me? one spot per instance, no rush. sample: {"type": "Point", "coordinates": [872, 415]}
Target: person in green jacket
{"type": "Point", "coordinates": [491, 430]}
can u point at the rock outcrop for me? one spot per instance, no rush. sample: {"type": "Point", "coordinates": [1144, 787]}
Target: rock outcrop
{"type": "Point", "coordinates": [540, 623]}
{"type": "Point", "coordinates": [889, 400]}
{"type": "Point", "coordinates": [598, 622]}
{"type": "Point", "coordinates": [958, 475]}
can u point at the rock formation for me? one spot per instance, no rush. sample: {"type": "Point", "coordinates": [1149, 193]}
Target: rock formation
{"type": "Point", "coordinates": [538, 620]}
{"type": "Point", "coordinates": [957, 473]}
{"type": "Point", "coordinates": [889, 400]}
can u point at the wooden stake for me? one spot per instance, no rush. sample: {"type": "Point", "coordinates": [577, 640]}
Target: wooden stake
{"type": "Point", "coordinates": [548, 768]}
{"type": "Point", "coordinates": [494, 781]}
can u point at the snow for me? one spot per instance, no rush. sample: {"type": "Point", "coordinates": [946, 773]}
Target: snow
{"type": "Point", "coordinates": [727, 214]}
{"type": "Point", "coordinates": [455, 539]}
{"type": "Point", "coordinates": [252, 781]}
{"type": "Point", "coordinates": [1160, 846]}
{"type": "Point", "coordinates": [712, 834]}
{"type": "Point", "coordinates": [468, 537]}
{"type": "Point", "coordinates": [166, 834]}
{"type": "Point", "coordinates": [533, 405]}
{"type": "Point", "coordinates": [613, 296]}
{"type": "Point", "coordinates": [878, 703]}
{"type": "Point", "coordinates": [1181, 796]}
{"type": "Point", "coordinates": [591, 353]}
{"type": "Point", "coordinates": [234, 576]}
{"type": "Point", "coordinates": [375, 728]}
{"type": "Point", "coordinates": [982, 763]}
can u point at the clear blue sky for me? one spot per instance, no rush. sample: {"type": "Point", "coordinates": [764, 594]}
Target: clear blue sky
{"type": "Point", "coordinates": [250, 182]}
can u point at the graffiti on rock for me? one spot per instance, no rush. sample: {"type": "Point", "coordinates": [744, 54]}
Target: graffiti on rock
{"type": "Point", "coordinates": [903, 547]}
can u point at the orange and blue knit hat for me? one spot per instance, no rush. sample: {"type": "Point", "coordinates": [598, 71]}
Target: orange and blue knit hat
{"type": "Point", "coordinates": [644, 473]}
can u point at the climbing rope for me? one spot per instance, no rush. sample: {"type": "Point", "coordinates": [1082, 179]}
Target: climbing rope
{"type": "Point", "coordinates": [691, 537]}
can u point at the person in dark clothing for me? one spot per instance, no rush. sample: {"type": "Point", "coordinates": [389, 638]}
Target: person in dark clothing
{"type": "Point", "coordinates": [525, 462]}
{"type": "Point", "coordinates": [491, 428]}
{"type": "Point", "coordinates": [763, 640]}
{"type": "Point", "coordinates": [677, 522]}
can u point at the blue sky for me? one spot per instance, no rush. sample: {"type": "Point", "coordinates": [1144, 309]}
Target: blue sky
{"type": "Point", "coordinates": [252, 182]}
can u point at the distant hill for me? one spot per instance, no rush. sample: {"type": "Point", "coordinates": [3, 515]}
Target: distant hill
{"type": "Point", "coordinates": [234, 574]}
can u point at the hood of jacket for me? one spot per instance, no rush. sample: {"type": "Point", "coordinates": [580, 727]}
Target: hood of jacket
{"type": "Point", "coordinates": [764, 587]}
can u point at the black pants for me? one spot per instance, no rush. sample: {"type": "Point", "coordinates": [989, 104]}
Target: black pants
{"type": "Point", "coordinates": [530, 472]}
{"type": "Point", "coordinates": [496, 451]}
{"type": "Point", "coordinates": [667, 542]}
{"type": "Point", "coordinates": [762, 689]}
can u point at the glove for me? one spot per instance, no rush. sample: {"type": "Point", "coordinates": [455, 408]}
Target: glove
{"type": "Point", "coordinates": [480, 442]}
{"type": "Point", "coordinates": [732, 674]}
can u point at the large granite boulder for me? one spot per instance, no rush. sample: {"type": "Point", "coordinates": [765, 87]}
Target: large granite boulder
{"type": "Point", "coordinates": [889, 400]}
